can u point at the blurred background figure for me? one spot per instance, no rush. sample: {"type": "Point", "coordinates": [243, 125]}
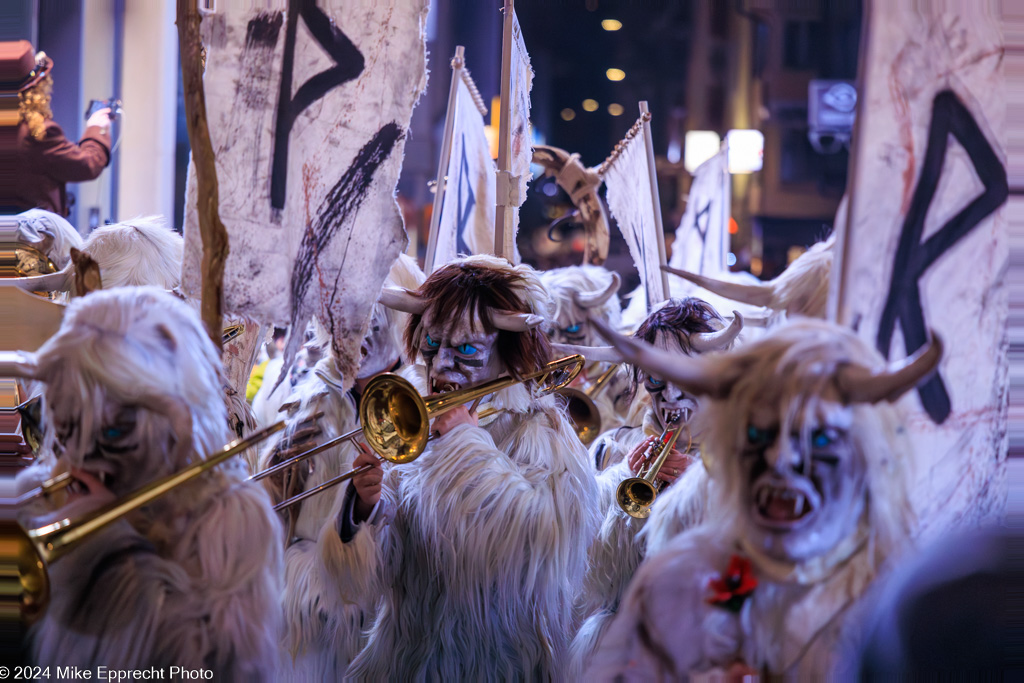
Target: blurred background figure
{"type": "Point", "coordinates": [954, 611]}
{"type": "Point", "coordinates": [45, 160]}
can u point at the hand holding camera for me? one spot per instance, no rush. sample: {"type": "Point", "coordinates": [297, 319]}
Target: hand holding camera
{"type": "Point", "coordinates": [102, 112]}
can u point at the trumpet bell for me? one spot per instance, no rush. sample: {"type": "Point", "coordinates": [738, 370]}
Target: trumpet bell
{"type": "Point", "coordinates": [636, 496]}
{"type": "Point", "coordinates": [583, 414]}
{"type": "Point", "coordinates": [395, 420]}
{"type": "Point", "coordinates": [24, 582]}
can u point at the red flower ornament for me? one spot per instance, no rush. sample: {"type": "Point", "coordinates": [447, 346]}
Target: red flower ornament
{"type": "Point", "coordinates": [731, 589]}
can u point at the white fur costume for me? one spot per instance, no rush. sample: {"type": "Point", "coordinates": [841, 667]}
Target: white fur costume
{"type": "Point", "coordinates": [323, 634]}
{"type": "Point", "coordinates": [578, 293]}
{"type": "Point", "coordinates": [142, 251]}
{"type": "Point", "coordinates": [478, 547]}
{"type": "Point", "coordinates": [800, 618]}
{"type": "Point", "coordinates": [40, 227]}
{"type": "Point", "coordinates": [194, 578]}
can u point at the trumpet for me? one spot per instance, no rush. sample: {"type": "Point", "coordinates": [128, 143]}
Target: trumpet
{"type": "Point", "coordinates": [395, 419]}
{"type": "Point", "coordinates": [636, 495]}
{"type": "Point", "coordinates": [583, 412]}
{"type": "Point", "coordinates": [25, 553]}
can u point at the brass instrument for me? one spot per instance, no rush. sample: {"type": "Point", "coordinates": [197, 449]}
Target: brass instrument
{"type": "Point", "coordinates": [395, 419]}
{"type": "Point", "coordinates": [25, 553]}
{"type": "Point", "coordinates": [583, 412]}
{"type": "Point", "coordinates": [636, 495]}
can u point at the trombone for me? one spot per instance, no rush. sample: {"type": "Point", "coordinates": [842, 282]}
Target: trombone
{"type": "Point", "coordinates": [582, 409]}
{"type": "Point", "coordinates": [25, 553]}
{"type": "Point", "coordinates": [395, 419]}
{"type": "Point", "coordinates": [636, 495]}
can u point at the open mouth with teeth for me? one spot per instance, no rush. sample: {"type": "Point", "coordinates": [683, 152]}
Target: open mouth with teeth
{"type": "Point", "coordinates": [675, 415]}
{"type": "Point", "coordinates": [440, 386]}
{"type": "Point", "coordinates": [778, 506]}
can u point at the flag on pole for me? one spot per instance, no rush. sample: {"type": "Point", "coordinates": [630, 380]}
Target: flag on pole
{"type": "Point", "coordinates": [515, 140]}
{"type": "Point", "coordinates": [627, 175]}
{"type": "Point", "coordinates": [308, 111]}
{"type": "Point", "coordinates": [925, 244]}
{"type": "Point", "coordinates": [463, 219]}
{"type": "Point", "coordinates": [702, 238]}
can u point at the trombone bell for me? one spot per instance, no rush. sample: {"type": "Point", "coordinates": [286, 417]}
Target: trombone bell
{"type": "Point", "coordinates": [583, 414]}
{"type": "Point", "coordinates": [395, 420]}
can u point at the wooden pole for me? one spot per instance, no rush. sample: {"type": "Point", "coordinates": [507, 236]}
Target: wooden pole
{"type": "Point", "coordinates": [458, 62]}
{"type": "Point", "coordinates": [212, 231]}
{"type": "Point", "coordinates": [645, 115]}
{"type": "Point", "coordinates": [504, 213]}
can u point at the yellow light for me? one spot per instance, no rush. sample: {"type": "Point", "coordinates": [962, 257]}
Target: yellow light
{"type": "Point", "coordinates": [568, 114]}
{"type": "Point", "coordinates": [590, 105]}
{"type": "Point", "coordinates": [611, 24]}
{"type": "Point", "coordinates": [615, 109]}
{"type": "Point", "coordinates": [615, 74]}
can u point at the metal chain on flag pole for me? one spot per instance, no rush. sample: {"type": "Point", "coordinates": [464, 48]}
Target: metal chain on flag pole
{"type": "Point", "coordinates": [621, 145]}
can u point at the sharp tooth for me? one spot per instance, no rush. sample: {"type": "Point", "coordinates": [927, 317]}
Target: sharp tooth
{"type": "Point", "coordinates": [798, 506]}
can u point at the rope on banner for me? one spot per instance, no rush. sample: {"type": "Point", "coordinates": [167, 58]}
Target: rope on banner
{"type": "Point", "coordinates": [621, 145]}
{"type": "Point", "coordinates": [478, 99]}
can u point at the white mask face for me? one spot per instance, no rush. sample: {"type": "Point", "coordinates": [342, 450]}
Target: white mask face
{"type": "Point", "coordinates": [457, 355]}
{"type": "Point", "coordinates": [669, 402]}
{"type": "Point", "coordinates": [379, 352]}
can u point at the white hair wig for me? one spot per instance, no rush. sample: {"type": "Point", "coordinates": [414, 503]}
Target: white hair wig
{"type": "Point", "coordinates": [36, 225]}
{"type": "Point", "coordinates": [566, 284]}
{"type": "Point", "coordinates": [142, 347]}
{"type": "Point", "coordinates": [793, 367]}
{"type": "Point", "coordinates": [139, 252]}
{"type": "Point", "coordinates": [802, 288]}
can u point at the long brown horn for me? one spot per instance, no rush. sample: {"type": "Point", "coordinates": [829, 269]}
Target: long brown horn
{"type": "Point", "coordinates": [702, 342]}
{"type": "Point", "coordinates": [17, 364]}
{"type": "Point", "coordinates": [593, 354]}
{"type": "Point", "coordinates": [700, 375]}
{"type": "Point", "coordinates": [401, 299]}
{"type": "Point", "coordinates": [597, 298]}
{"type": "Point", "coordinates": [755, 295]}
{"type": "Point", "coordinates": [515, 322]}
{"type": "Point", "coordinates": [857, 384]}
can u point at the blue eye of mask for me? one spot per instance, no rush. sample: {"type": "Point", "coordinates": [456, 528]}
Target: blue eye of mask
{"type": "Point", "coordinates": [466, 349]}
{"type": "Point", "coordinates": [654, 382]}
{"type": "Point", "coordinates": [821, 439]}
{"type": "Point", "coordinates": [573, 328]}
{"type": "Point", "coordinates": [431, 343]}
{"type": "Point", "coordinates": [758, 436]}
{"type": "Point", "coordinates": [111, 433]}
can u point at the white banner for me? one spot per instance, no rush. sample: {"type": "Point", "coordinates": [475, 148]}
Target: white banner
{"type": "Point", "coordinates": [629, 198]}
{"type": "Point", "coordinates": [520, 140]}
{"type": "Point", "coordinates": [702, 238]}
{"type": "Point", "coordinates": [467, 214]}
{"type": "Point", "coordinates": [308, 110]}
{"type": "Point", "coordinates": [925, 247]}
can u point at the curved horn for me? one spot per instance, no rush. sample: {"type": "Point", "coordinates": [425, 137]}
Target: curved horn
{"type": "Point", "coordinates": [515, 322]}
{"type": "Point", "coordinates": [17, 364]}
{"type": "Point", "coordinates": [702, 342]}
{"type": "Point", "coordinates": [703, 376]}
{"type": "Point", "coordinates": [857, 384]}
{"type": "Point", "coordinates": [60, 281]}
{"type": "Point", "coordinates": [593, 354]}
{"type": "Point", "coordinates": [401, 299]}
{"type": "Point", "coordinates": [598, 298]}
{"type": "Point", "coordinates": [755, 295]}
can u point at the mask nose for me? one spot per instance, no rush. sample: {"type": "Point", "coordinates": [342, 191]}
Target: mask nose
{"type": "Point", "coordinates": [673, 393]}
{"type": "Point", "coordinates": [783, 455]}
{"type": "Point", "coordinates": [445, 358]}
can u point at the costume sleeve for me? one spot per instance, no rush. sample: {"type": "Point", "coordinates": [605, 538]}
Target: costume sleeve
{"type": "Point", "coordinates": [67, 162]}
{"type": "Point", "coordinates": [357, 561]}
{"type": "Point", "coordinates": [531, 502]}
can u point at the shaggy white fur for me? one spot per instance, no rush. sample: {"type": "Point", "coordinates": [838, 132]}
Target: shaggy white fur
{"type": "Point", "coordinates": [142, 251]}
{"type": "Point", "coordinates": [796, 623]}
{"type": "Point", "coordinates": [476, 547]}
{"type": "Point", "coordinates": [623, 541]}
{"type": "Point", "coordinates": [194, 578]}
{"type": "Point", "coordinates": [563, 283]}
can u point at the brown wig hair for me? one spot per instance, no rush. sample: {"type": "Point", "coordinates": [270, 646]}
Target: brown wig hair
{"type": "Point", "coordinates": [677, 317]}
{"type": "Point", "coordinates": [34, 107]}
{"type": "Point", "coordinates": [459, 290]}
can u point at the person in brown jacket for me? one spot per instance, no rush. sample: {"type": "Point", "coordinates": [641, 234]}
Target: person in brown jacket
{"type": "Point", "coordinates": [44, 159]}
